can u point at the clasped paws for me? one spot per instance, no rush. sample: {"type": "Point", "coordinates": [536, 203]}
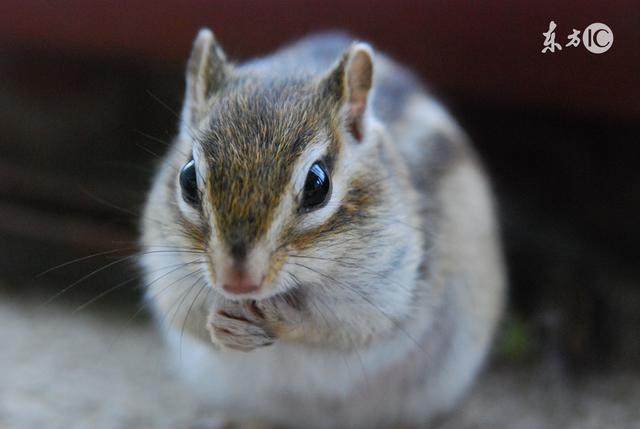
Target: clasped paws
{"type": "Point", "coordinates": [249, 325]}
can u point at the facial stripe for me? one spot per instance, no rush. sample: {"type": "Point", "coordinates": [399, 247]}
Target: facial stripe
{"type": "Point", "coordinates": [354, 209]}
{"type": "Point", "coordinates": [252, 147]}
{"type": "Point", "coordinates": [248, 150]}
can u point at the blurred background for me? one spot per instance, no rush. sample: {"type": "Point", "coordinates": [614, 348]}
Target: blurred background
{"type": "Point", "coordinates": [88, 95]}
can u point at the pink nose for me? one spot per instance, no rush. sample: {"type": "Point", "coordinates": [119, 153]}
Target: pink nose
{"type": "Point", "coordinates": [239, 282]}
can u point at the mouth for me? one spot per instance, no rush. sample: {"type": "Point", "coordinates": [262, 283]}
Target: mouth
{"type": "Point", "coordinates": [259, 295]}
{"type": "Point", "coordinates": [236, 285]}
{"type": "Point", "coordinates": [263, 292]}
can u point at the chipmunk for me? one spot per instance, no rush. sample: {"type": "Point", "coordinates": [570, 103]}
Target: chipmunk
{"type": "Point", "coordinates": [320, 241]}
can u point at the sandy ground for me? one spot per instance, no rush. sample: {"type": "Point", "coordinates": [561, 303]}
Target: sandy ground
{"type": "Point", "coordinates": [60, 369]}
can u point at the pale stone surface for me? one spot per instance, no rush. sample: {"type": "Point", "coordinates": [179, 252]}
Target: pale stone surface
{"type": "Point", "coordinates": [64, 370]}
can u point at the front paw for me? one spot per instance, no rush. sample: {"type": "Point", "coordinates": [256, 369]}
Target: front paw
{"type": "Point", "coordinates": [240, 326]}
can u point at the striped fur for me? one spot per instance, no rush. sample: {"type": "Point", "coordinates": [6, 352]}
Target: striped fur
{"type": "Point", "coordinates": [376, 309]}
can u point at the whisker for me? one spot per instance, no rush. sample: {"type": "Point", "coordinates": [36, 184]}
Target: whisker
{"type": "Point", "coordinates": [152, 138]}
{"type": "Point", "coordinates": [328, 327]}
{"type": "Point", "coordinates": [148, 301]}
{"type": "Point", "coordinates": [349, 287]}
{"type": "Point", "coordinates": [354, 348]}
{"type": "Point", "coordinates": [159, 140]}
{"type": "Point", "coordinates": [349, 265]}
{"type": "Point", "coordinates": [83, 258]}
{"type": "Point", "coordinates": [130, 166]}
{"type": "Point", "coordinates": [163, 104]}
{"type": "Point", "coordinates": [166, 106]}
{"type": "Point", "coordinates": [149, 151]}
{"type": "Point", "coordinates": [109, 265]}
{"type": "Point", "coordinates": [186, 318]}
{"type": "Point", "coordinates": [86, 277]}
{"type": "Point", "coordinates": [170, 227]}
{"type": "Point", "coordinates": [175, 267]}
{"type": "Point", "coordinates": [183, 298]}
{"type": "Point", "coordinates": [108, 252]}
{"type": "Point", "coordinates": [107, 203]}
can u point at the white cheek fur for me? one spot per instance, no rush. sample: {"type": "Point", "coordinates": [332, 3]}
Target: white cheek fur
{"type": "Point", "coordinates": [202, 169]}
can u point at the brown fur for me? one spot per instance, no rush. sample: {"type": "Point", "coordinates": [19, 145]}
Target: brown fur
{"type": "Point", "coordinates": [361, 196]}
{"type": "Point", "coordinates": [252, 142]}
{"type": "Point", "coordinates": [398, 273]}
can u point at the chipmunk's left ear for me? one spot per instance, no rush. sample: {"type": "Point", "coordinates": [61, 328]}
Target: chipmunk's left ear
{"type": "Point", "coordinates": [207, 71]}
{"type": "Point", "coordinates": [349, 83]}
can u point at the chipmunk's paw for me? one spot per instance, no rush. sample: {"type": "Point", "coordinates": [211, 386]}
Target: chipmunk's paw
{"type": "Point", "coordinates": [240, 326]}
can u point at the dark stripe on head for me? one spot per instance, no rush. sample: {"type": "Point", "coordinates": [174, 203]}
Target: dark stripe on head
{"type": "Point", "coordinates": [257, 131]}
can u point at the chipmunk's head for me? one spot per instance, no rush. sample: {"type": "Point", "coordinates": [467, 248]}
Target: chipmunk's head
{"type": "Point", "coordinates": [284, 181]}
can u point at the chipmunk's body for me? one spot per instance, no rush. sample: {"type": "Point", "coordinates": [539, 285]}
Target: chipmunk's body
{"type": "Point", "coordinates": [366, 301]}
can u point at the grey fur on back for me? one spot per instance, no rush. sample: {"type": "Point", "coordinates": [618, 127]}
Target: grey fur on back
{"type": "Point", "coordinates": [314, 55]}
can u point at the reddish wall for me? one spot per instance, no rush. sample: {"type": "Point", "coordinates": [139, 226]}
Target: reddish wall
{"type": "Point", "coordinates": [486, 50]}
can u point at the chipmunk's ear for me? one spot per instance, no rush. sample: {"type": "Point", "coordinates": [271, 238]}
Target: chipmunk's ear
{"type": "Point", "coordinates": [349, 84]}
{"type": "Point", "coordinates": [207, 71]}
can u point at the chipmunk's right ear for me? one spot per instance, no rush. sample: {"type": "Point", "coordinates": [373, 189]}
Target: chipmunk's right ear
{"type": "Point", "coordinates": [207, 71]}
{"type": "Point", "coordinates": [349, 84]}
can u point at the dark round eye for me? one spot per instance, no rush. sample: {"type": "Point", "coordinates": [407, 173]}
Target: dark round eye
{"type": "Point", "coordinates": [317, 187]}
{"type": "Point", "coordinates": [189, 184]}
